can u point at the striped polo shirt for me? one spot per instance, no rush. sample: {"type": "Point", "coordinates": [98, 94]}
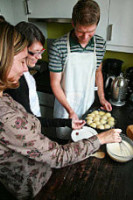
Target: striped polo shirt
{"type": "Point", "coordinates": [58, 51]}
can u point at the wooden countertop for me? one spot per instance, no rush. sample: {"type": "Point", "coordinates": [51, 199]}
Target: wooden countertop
{"type": "Point", "coordinates": [93, 178]}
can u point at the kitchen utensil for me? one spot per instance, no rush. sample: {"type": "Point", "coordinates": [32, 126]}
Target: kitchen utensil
{"type": "Point", "coordinates": [98, 154]}
{"type": "Point", "coordinates": [84, 133]}
{"type": "Point", "coordinates": [97, 117]}
{"type": "Point", "coordinates": [129, 76]}
{"type": "Point", "coordinates": [119, 90]}
{"type": "Point", "coordinates": [111, 67]}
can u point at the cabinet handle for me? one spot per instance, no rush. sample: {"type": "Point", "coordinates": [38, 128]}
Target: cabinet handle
{"type": "Point", "coordinates": [28, 6]}
{"type": "Point", "coordinates": [109, 35]}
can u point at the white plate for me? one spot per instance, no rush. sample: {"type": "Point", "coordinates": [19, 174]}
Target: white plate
{"type": "Point", "coordinates": [84, 133]}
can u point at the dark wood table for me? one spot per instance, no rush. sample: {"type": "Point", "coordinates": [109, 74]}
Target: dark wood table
{"type": "Point", "coordinates": [93, 178]}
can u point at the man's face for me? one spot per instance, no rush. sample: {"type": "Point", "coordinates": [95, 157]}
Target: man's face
{"type": "Point", "coordinates": [84, 33]}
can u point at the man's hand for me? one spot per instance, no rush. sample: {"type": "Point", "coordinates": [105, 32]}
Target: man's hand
{"type": "Point", "coordinates": [105, 105]}
{"type": "Point", "coordinates": [73, 115]}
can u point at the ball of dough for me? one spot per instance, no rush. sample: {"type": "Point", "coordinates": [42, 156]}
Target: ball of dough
{"type": "Point", "coordinates": [92, 114]}
{"type": "Point", "coordinates": [95, 112]}
{"type": "Point", "coordinates": [108, 114]}
{"type": "Point", "coordinates": [103, 121]}
{"type": "Point", "coordinates": [100, 127]}
{"type": "Point", "coordinates": [104, 117]}
{"type": "Point", "coordinates": [97, 123]}
{"type": "Point", "coordinates": [101, 113]}
{"type": "Point", "coordinates": [98, 116]}
{"type": "Point", "coordinates": [96, 119]}
{"type": "Point", "coordinates": [111, 123]}
{"type": "Point", "coordinates": [107, 126]}
{"type": "Point", "coordinates": [89, 121]}
{"type": "Point", "coordinates": [89, 118]}
{"type": "Point", "coordinates": [93, 125]}
{"type": "Point", "coordinates": [111, 119]}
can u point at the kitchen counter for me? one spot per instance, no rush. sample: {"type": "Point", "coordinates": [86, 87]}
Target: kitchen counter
{"type": "Point", "coordinates": [93, 178]}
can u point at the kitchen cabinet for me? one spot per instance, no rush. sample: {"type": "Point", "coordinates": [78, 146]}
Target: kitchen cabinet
{"type": "Point", "coordinates": [116, 25]}
{"type": "Point", "coordinates": [6, 8]}
{"type": "Point", "coordinates": [103, 24]}
{"type": "Point", "coordinates": [51, 8]}
{"type": "Point", "coordinates": [120, 36]}
{"type": "Point", "coordinates": [13, 11]}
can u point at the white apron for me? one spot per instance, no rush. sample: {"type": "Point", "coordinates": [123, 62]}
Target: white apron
{"type": "Point", "coordinates": [78, 83]}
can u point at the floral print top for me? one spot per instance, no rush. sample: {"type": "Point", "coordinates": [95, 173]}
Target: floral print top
{"type": "Point", "coordinates": [26, 156]}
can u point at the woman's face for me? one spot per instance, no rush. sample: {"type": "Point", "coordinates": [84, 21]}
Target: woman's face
{"type": "Point", "coordinates": [19, 66]}
{"type": "Point", "coordinates": [34, 53]}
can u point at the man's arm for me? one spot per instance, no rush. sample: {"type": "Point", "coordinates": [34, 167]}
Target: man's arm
{"type": "Point", "coordinates": [99, 82]}
{"type": "Point", "coordinates": [55, 81]}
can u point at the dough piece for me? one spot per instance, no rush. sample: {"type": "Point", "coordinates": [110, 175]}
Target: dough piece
{"type": "Point", "coordinates": [91, 114]}
{"type": "Point", "coordinates": [111, 119]}
{"type": "Point", "coordinates": [100, 127]}
{"type": "Point", "coordinates": [97, 123]}
{"type": "Point", "coordinates": [108, 114]}
{"type": "Point", "coordinates": [104, 117]}
{"type": "Point", "coordinates": [101, 113]}
{"type": "Point", "coordinates": [89, 121]}
{"type": "Point", "coordinates": [102, 121]}
{"type": "Point", "coordinates": [107, 126]}
{"type": "Point", "coordinates": [111, 123]}
{"type": "Point", "coordinates": [89, 118]}
{"type": "Point", "coordinates": [95, 112]}
{"type": "Point", "coordinates": [93, 125]}
{"type": "Point", "coordinates": [96, 119]}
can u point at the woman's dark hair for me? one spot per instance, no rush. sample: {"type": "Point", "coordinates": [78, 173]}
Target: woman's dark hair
{"type": "Point", "coordinates": [31, 32]}
{"type": "Point", "coordinates": [2, 18]}
{"type": "Point", "coordinates": [86, 12]}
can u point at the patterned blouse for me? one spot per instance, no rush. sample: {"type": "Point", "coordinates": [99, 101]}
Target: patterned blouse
{"type": "Point", "coordinates": [26, 156]}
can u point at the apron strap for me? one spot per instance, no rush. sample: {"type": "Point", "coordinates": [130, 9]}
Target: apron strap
{"type": "Point", "coordinates": [68, 44]}
{"type": "Point", "coordinates": [68, 50]}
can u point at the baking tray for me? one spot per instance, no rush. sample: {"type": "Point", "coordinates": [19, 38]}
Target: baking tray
{"type": "Point", "coordinates": [98, 109]}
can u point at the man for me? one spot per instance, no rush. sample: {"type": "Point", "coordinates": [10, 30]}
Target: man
{"type": "Point", "coordinates": [76, 65]}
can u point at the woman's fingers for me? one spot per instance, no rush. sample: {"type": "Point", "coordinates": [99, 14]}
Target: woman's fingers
{"type": "Point", "coordinates": [113, 135]}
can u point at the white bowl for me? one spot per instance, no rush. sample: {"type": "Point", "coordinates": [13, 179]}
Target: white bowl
{"type": "Point", "coordinates": [84, 133]}
{"type": "Point", "coordinates": [121, 152]}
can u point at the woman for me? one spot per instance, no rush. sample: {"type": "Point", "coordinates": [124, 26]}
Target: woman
{"type": "Point", "coordinates": [26, 156]}
{"type": "Point", "coordinates": [26, 93]}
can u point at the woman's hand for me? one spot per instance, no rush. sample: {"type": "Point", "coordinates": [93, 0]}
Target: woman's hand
{"type": "Point", "coordinates": [111, 136]}
{"type": "Point", "coordinates": [77, 124]}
